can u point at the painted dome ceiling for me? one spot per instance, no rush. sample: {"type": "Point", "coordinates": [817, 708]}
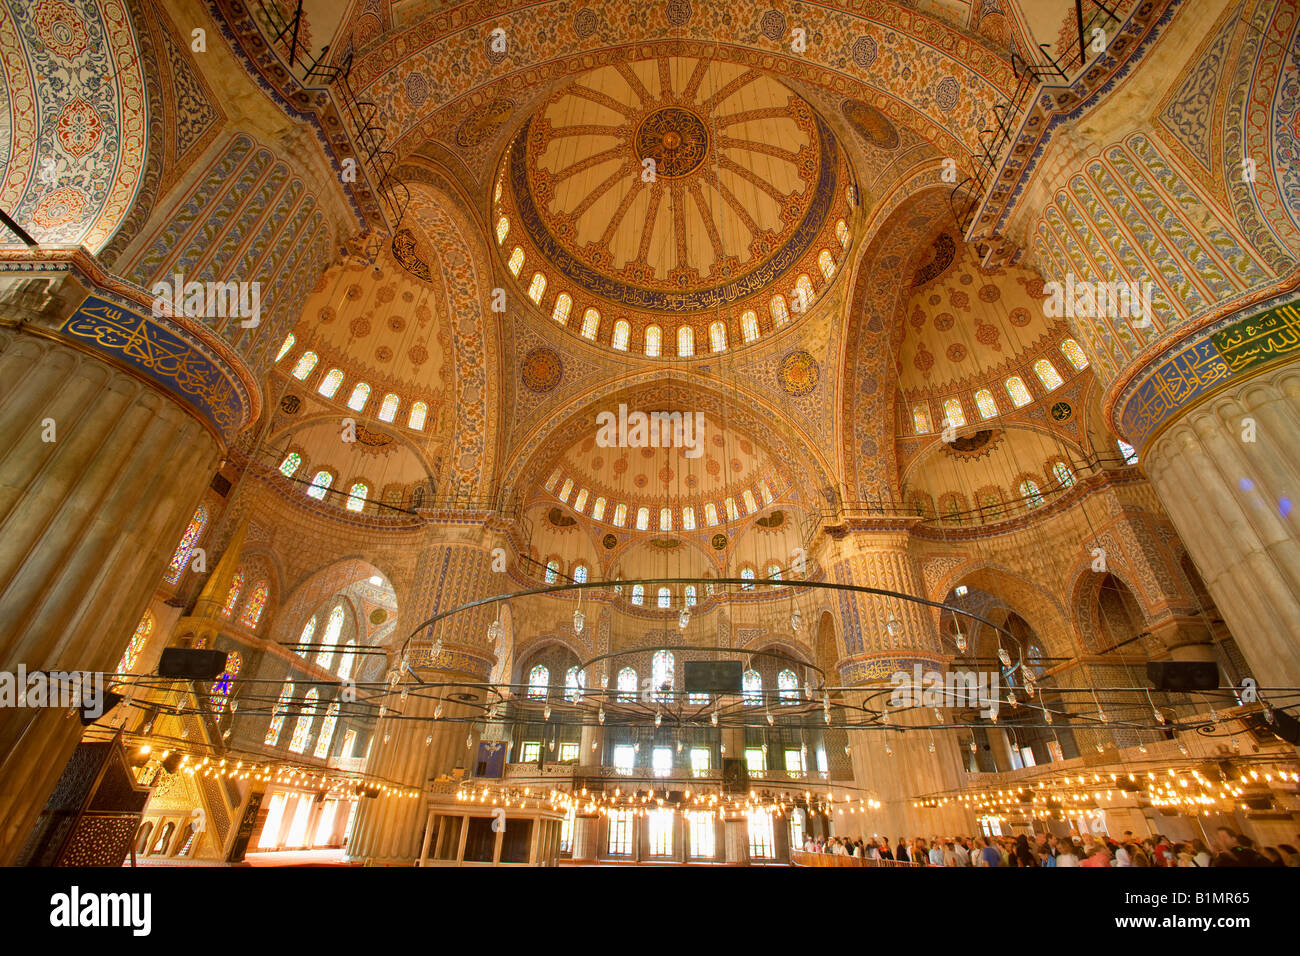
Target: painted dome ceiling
{"type": "Point", "coordinates": [688, 188]}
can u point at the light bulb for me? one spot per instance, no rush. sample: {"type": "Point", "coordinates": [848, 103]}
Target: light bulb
{"type": "Point", "coordinates": [892, 625]}
{"type": "Point", "coordinates": [494, 630]}
{"type": "Point", "coordinates": [546, 712]}
{"type": "Point", "coordinates": [601, 716]}
{"type": "Point", "coordinates": [579, 620]}
{"type": "Point", "coordinates": [932, 746]}
{"type": "Point", "coordinates": [960, 640]}
{"type": "Point", "coordinates": [469, 741]}
{"type": "Point", "coordinates": [889, 751]}
{"type": "Point", "coordinates": [847, 750]}
{"type": "Point", "coordinates": [1011, 699]}
{"type": "Point", "coordinates": [827, 715]}
{"type": "Point", "coordinates": [770, 720]}
{"type": "Point", "coordinates": [1047, 715]}
{"type": "Point", "coordinates": [428, 740]}
{"type": "Point", "coordinates": [796, 621]}
{"type": "Point", "coordinates": [437, 711]}
{"type": "Point", "coordinates": [387, 737]}
{"type": "Point", "coordinates": [679, 746]}
{"type": "Point", "coordinates": [972, 745]}
{"type": "Point", "coordinates": [713, 718]}
{"type": "Point", "coordinates": [659, 718]}
{"type": "Point", "coordinates": [684, 618]}
{"type": "Point", "coordinates": [1004, 657]}
{"type": "Point", "coordinates": [593, 744]}
{"type": "Point", "coordinates": [1160, 716]}
{"type": "Point", "coordinates": [764, 749]}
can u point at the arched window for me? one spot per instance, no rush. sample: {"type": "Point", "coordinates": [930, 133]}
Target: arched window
{"type": "Point", "coordinates": [953, 413]}
{"type": "Point", "coordinates": [320, 484]}
{"type": "Point", "coordinates": [787, 686]}
{"type": "Point", "coordinates": [326, 736]}
{"type": "Point", "coordinates": [710, 514]}
{"type": "Point", "coordinates": [665, 598]}
{"type": "Point", "coordinates": [774, 572]}
{"type": "Point", "coordinates": [580, 573]}
{"type": "Point", "coordinates": [748, 575]}
{"type": "Point", "coordinates": [622, 335]}
{"type": "Point", "coordinates": [181, 556]}
{"type": "Point", "coordinates": [388, 410]}
{"type": "Point", "coordinates": [718, 336]}
{"type": "Point", "coordinates": [1030, 493]}
{"type": "Point", "coordinates": [1016, 389]}
{"type": "Point", "coordinates": [357, 496]}
{"type": "Point", "coordinates": [516, 261]}
{"type": "Point", "coordinates": [277, 716]}
{"type": "Point", "coordinates": [638, 594]}
{"type": "Point", "coordinates": [688, 518]}
{"type": "Point", "coordinates": [1128, 452]}
{"type": "Point", "coordinates": [550, 482]}
{"type": "Point", "coordinates": [302, 729]}
{"type": "Point", "coordinates": [360, 395]}
{"type": "Point", "coordinates": [803, 293]}
{"type": "Point", "coordinates": [136, 644]}
{"type": "Point", "coordinates": [566, 489]}
{"type": "Point", "coordinates": [642, 519]}
{"type": "Point", "coordinates": [851, 195]}
{"type": "Point", "coordinates": [1047, 374]}
{"type": "Point", "coordinates": [750, 504]}
{"type": "Point", "coordinates": [222, 686]}
{"type": "Point", "coordinates": [285, 346]}
{"type": "Point", "coordinates": [665, 519]}
{"type": "Point", "coordinates": [653, 340]}
{"type": "Point", "coordinates": [749, 327]}
{"type": "Point", "coordinates": [306, 362]}
{"type": "Point", "coordinates": [590, 324]}
{"type": "Point", "coordinates": [290, 464]}
{"type": "Point", "coordinates": [232, 595]}
{"type": "Point", "coordinates": [574, 682]}
{"type": "Point", "coordinates": [252, 613]}
{"type": "Point", "coordinates": [539, 679]}
{"type": "Point", "coordinates": [689, 593]}
{"type": "Point", "coordinates": [732, 513]}
{"type": "Point", "coordinates": [330, 382]}
{"type": "Point", "coordinates": [304, 639]}
{"type": "Point", "coordinates": [1070, 349]}
{"type": "Point", "coordinates": [1062, 473]}
{"type": "Point", "coordinates": [620, 515]}
{"type": "Point", "coordinates": [333, 628]}
{"type": "Point", "coordinates": [663, 670]}
{"type": "Point", "coordinates": [765, 490]}
{"type": "Point", "coordinates": [921, 419]}
{"type": "Point", "coordinates": [826, 262]}
{"type": "Point", "coordinates": [752, 686]}
{"type": "Point", "coordinates": [988, 408]}
{"type": "Point", "coordinates": [347, 657]}
{"type": "Point", "coordinates": [627, 686]}
{"type": "Point", "coordinates": [552, 570]}
{"type": "Point", "coordinates": [780, 315]}
{"type": "Point", "coordinates": [842, 233]}
{"type": "Point", "coordinates": [537, 287]}
{"type": "Point", "coordinates": [563, 305]}
{"type": "Point", "coordinates": [419, 411]}
{"type": "Point", "coordinates": [580, 502]}
{"type": "Point", "coordinates": [685, 341]}
{"type": "Point", "coordinates": [598, 509]}
{"type": "Point", "coordinates": [503, 229]}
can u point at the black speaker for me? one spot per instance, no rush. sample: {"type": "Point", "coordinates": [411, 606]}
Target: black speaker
{"type": "Point", "coordinates": [172, 762]}
{"type": "Point", "coordinates": [735, 776]}
{"type": "Point", "coordinates": [1283, 726]}
{"type": "Point", "coordinates": [185, 663]}
{"type": "Point", "coordinates": [713, 677]}
{"type": "Point", "coordinates": [1183, 675]}
{"type": "Point", "coordinates": [108, 700]}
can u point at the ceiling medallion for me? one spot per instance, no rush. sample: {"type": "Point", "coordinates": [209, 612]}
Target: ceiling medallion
{"type": "Point", "coordinates": [798, 373]}
{"type": "Point", "coordinates": [610, 541]}
{"type": "Point", "coordinates": [975, 445]}
{"type": "Point", "coordinates": [1062, 411]}
{"type": "Point", "coordinates": [676, 139]}
{"type": "Point", "coordinates": [719, 542]}
{"type": "Point", "coordinates": [542, 369]}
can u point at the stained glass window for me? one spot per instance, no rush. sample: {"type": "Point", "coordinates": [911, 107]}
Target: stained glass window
{"type": "Point", "coordinates": [921, 419]}
{"type": "Point", "coordinates": [181, 557]}
{"type": "Point", "coordinates": [346, 658]}
{"type": "Point", "coordinates": [552, 570]}
{"type": "Point", "coordinates": [284, 348]}
{"type": "Point", "coordinates": [780, 315]}
{"type": "Point", "coordinates": [580, 502]}
{"type": "Point", "coordinates": [750, 504]}
{"type": "Point", "coordinates": [136, 644]}
{"type": "Point", "coordinates": [732, 513]}
{"type": "Point", "coordinates": [516, 261]}
{"type": "Point", "coordinates": [803, 293]}
{"type": "Point", "coordinates": [1128, 451]}
{"type": "Point", "coordinates": [718, 336]}
{"type": "Point", "coordinates": [566, 489]}
{"type": "Point", "coordinates": [638, 594]}
{"type": "Point", "coordinates": [598, 509]}
{"type": "Point", "coordinates": [688, 518]}
{"type": "Point", "coordinates": [503, 229]}
{"type": "Point", "coordinates": [357, 496]}
{"type": "Point", "coordinates": [620, 515]}
{"type": "Point", "coordinates": [748, 575]}
{"type": "Point", "coordinates": [539, 678]}
{"type": "Point", "coordinates": [580, 573]}
{"type": "Point", "coordinates": [665, 598]}
{"type": "Point", "coordinates": [320, 484]}
{"type": "Point", "coordinates": [710, 514]}
{"type": "Point", "coordinates": [573, 685]}
{"type": "Point", "coordinates": [622, 335]}
{"type": "Point", "coordinates": [388, 410]}
{"type": "Point", "coordinates": [563, 306]}
{"type": "Point", "coordinates": [304, 639]}
{"type": "Point", "coordinates": [550, 482]}
{"type": "Point", "coordinates": [419, 411]}
{"type": "Point", "coordinates": [1047, 374]}
{"type": "Point", "coordinates": [590, 324]}
{"type": "Point", "coordinates": [333, 628]}
{"type": "Point", "coordinates": [326, 736]}
{"type": "Point", "coordinates": [1064, 476]}
{"type": "Point", "coordinates": [627, 685]}
{"type": "Point", "coordinates": [330, 382]}
{"type": "Point", "coordinates": [765, 490]}
{"type": "Point", "coordinates": [685, 341]}
{"type": "Point", "coordinates": [306, 362]}
{"type": "Point", "coordinates": [774, 572]}
{"type": "Point", "coordinates": [277, 718]}
{"type": "Point", "coordinates": [752, 686]}
{"type": "Point", "coordinates": [360, 395]}
{"type": "Point", "coordinates": [232, 595]}
{"type": "Point", "coordinates": [787, 686]}
{"type": "Point", "coordinates": [663, 670]}
{"type": "Point", "coordinates": [642, 519]}
{"type": "Point", "coordinates": [252, 613]}
{"type": "Point", "coordinates": [222, 686]}
{"type": "Point", "coordinates": [537, 287]}
{"type": "Point", "coordinates": [290, 464]}
{"type": "Point", "coordinates": [1030, 493]}
{"type": "Point", "coordinates": [953, 413]}
{"type": "Point", "coordinates": [988, 408]}
{"type": "Point", "coordinates": [653, 340]}
{"type": "Point", "coordinates": [749, 326]}
{"type": "Point", "coordinates": [1016, 389]}
{"type": "Point", "coordinates": [842, 233]}
{"type": "Point", "coordinates": [302, 729]}
{"type": "Point", "coordinates": [665, 519]}
{"type": "Point", "coordinates": [826, 262]}
{"type": "Point", "coordinates": [689, 593]}
{"type": "Point", "coordinates": [1070, 349]}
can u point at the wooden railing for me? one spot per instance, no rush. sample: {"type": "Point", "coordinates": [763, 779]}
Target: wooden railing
{"type": "Point", "coordinates": [803, 858]}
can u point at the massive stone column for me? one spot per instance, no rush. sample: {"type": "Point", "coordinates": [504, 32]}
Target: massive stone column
{"type": "Point", "coordinates": [113, 421]}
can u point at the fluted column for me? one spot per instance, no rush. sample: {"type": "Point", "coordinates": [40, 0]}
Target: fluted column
{"type": "Point", "coordinates": [1232, 500]}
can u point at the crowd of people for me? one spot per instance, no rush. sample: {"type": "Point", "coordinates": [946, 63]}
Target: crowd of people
{"type": "Point", "coordinates": [1231, 849]}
